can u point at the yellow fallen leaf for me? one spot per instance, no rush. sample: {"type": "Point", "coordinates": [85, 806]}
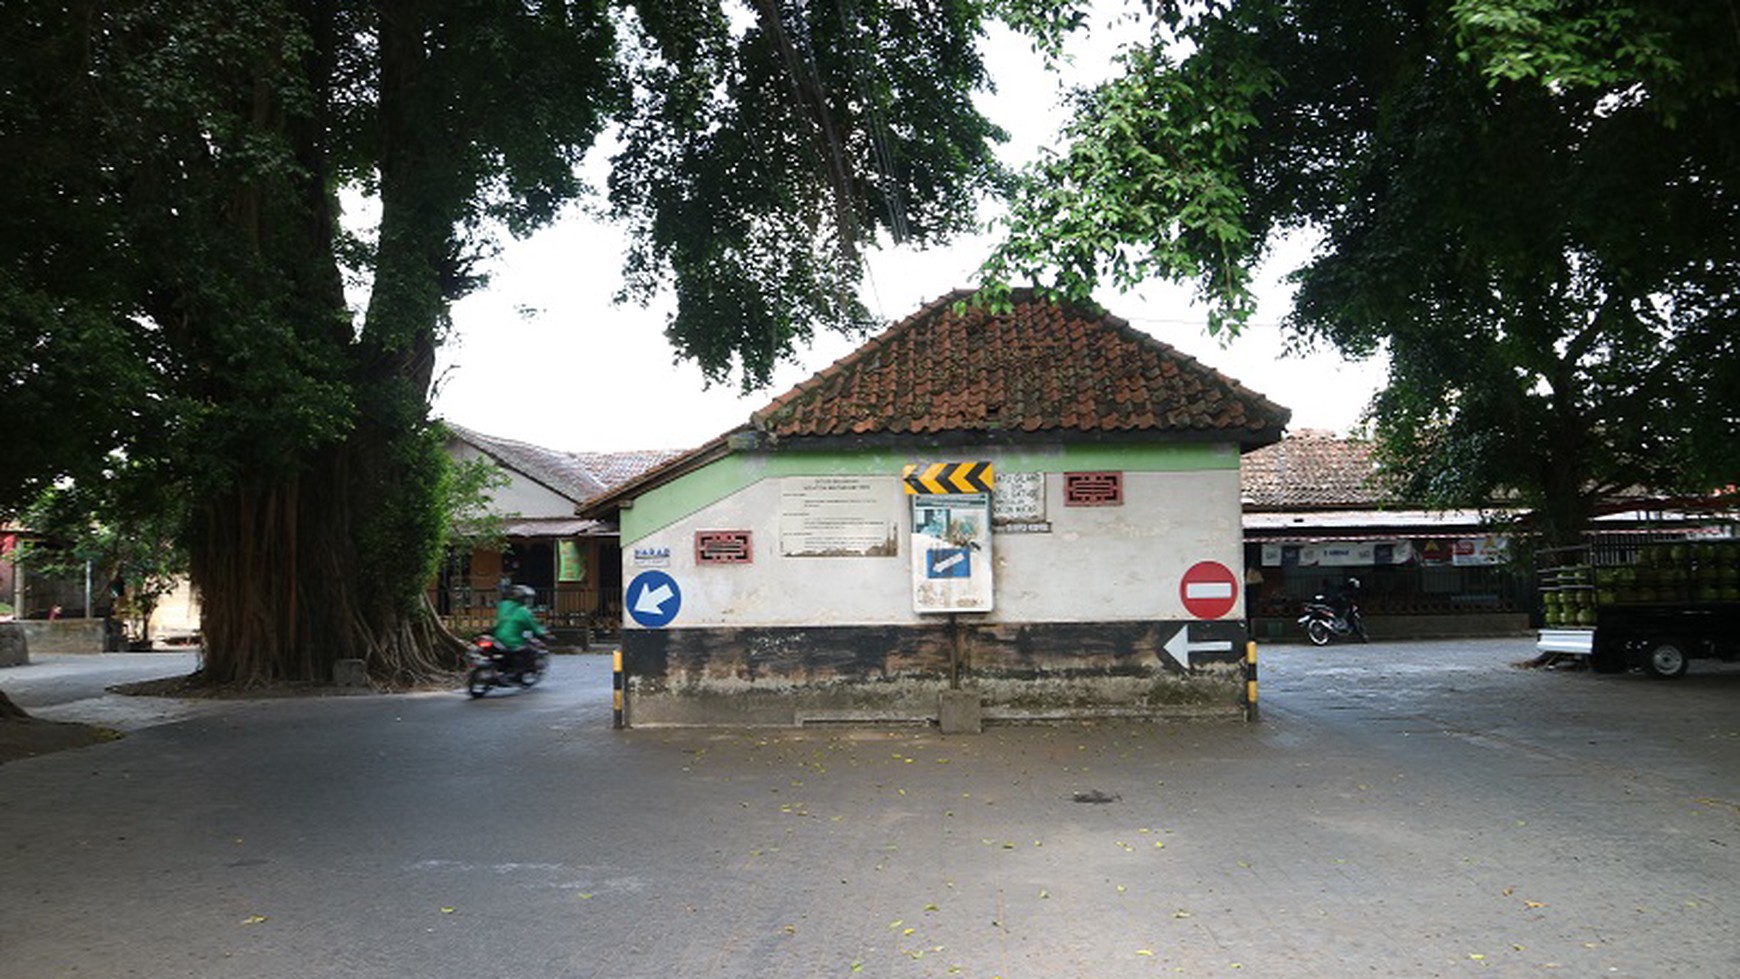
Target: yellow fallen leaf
{"type": "Point", "coordinates": [253, 919]}
{"type": "Point", "coordinates": [1144, 951]}
{"type": "Point", "coordinates": [446, 910]}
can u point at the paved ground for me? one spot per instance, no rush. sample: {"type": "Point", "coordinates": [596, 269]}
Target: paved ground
{"type": "Point", "coordinates": [1402, 810]}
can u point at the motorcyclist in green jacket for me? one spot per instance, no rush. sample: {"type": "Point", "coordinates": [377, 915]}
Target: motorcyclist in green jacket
{"type": "Point", "coordinates": [514, 621]}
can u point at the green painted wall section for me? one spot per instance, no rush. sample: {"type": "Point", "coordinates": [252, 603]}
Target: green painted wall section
{"type": "Point", "coordinates": [702, 488]}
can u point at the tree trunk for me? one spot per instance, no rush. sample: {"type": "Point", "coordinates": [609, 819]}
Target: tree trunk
{"type": "Point", "coordinates": [10, 711]}
{"type": "Point", "coordinates": [301, 570]}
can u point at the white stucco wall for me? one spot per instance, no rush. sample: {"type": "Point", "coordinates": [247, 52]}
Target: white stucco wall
{"type": "Point", "coordinates": [522, 496]}
{"type": "Point", "coordinates": [1112, 563]}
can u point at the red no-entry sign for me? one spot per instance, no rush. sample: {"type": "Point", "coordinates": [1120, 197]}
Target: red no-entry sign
{"type": "Point", "coordinates": [1209, 590]}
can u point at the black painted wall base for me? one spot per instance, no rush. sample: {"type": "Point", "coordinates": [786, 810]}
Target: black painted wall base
{"type": "Point", "coordinates": [787, 676]}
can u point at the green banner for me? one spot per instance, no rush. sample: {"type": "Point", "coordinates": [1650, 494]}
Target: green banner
{"type": "Point", "coordinates": [570, 566]}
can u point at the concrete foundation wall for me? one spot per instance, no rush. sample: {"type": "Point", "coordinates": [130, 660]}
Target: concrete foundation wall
{"type": "Point", "coordinates": [896, 674]}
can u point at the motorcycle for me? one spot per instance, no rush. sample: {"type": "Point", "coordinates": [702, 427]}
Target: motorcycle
{"type": "Point", "coordinates": [494, 665]}
{"type": "Point", "coordinates": [1322, 620]}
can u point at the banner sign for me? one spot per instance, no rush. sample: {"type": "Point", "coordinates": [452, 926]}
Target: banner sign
{"type": "Point", "coordinates": [1338, 554]}
{"type": "Point", "coordinates": [570, 565]}
{"type": "Point", "coordinates": [1478, 552]}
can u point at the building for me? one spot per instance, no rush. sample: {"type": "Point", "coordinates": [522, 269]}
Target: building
{"type": "Point", "coordinates": [1317, 512]}
{"type": "Point", "coordinates": [838, 557]}
{"type": "Point", "coordinates": [573, 564]}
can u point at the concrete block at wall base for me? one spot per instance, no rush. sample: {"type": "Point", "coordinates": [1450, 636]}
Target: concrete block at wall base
{"type": "Point", "coordinates": [63, 635]}
{"type": "Point", "coordinates": [350, 673]}
{"type": "Point", "coordinates": [960, 712]}
{"type": "Point", "coordinates": [14, 647]}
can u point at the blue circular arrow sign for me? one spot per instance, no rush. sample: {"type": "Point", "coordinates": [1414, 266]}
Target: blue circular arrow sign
{"type": "Point", "coordinates": [653, 599]}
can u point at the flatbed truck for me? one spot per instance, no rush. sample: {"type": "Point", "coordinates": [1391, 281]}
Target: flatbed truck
{"type": "Point", "coordinates": [1651, 605]}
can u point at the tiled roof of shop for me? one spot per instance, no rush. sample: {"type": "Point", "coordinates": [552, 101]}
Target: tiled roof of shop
{"type": "Point", "coordinates": [1313, 468]}
{"type": "Point", "coordinates": [615, 468]}
{"type": "Point", "coordinates": [1040, 367]}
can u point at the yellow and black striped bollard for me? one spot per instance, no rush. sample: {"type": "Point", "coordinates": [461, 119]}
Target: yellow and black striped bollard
{"type": "Point", "coordinates": [1251, 680]}
{"type": "Point", "coordinates": [617, 691]}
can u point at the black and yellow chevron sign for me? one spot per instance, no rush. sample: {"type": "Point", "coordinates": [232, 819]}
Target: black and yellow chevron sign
{"type": "Point", "coordinates": [948, 477]}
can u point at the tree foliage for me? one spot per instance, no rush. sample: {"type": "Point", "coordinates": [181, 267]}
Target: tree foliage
{"type": "Point", "coordinates": [784, 149]}
{"type": "Point", "coordinates": [1529, 206]}
{"type": "Point", "coordinates": [126, 543]}
{"type": "Point", "coordinates": [173, 258]}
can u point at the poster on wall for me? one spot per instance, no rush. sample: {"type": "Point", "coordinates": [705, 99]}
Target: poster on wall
{"type": "Point", "coordinates": [836, 516]}
{"type": "Point", "coordinates": [1018, 504]}
{"type": "Point", "coordinates": [951, 552]}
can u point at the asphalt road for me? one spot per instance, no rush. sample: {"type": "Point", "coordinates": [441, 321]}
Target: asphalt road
{"type": "Point", "coordinates": [1420, 809]}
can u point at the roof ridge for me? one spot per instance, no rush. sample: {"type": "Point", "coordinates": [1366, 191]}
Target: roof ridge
{"type": "Point", "coordinates": [1006, 356]}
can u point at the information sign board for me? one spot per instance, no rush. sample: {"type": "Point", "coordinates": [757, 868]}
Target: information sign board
{"type": "Point", "coordinates": [951, 552]}
{"type": "Point", "coordinates": [837, 516]}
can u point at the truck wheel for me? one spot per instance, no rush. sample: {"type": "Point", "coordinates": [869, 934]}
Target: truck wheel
{"type": "Point", "coordinates": [1667, 661]}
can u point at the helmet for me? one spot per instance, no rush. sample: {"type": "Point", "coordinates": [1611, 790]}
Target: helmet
{"type": "Point", "coordinates": [524, 594]}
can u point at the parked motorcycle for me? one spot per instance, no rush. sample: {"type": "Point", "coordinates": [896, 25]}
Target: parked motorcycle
{"type": "Point", "coordinates": [1323, 620]}
{"type": "Point", "coordinates": [494, 665]}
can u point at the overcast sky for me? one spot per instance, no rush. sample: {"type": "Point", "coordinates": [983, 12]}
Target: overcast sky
{"type": "Point", "coordinates": [543, 355]}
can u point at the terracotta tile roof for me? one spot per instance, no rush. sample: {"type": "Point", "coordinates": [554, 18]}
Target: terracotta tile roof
{"type": "Point", "coordinates": [577, 475]}
{"type": "Point", "coordinates": [615, 468]}
{"type": "Point", "coordinates": [1039, 368]}
{"type": "Point", "coordinates": [1313, 469]}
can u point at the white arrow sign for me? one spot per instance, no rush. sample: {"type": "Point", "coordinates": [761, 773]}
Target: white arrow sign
{"type": "Point", "coordinates": [652, 600]}
{"type": "Point", "coordinates": [1180, 647]}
